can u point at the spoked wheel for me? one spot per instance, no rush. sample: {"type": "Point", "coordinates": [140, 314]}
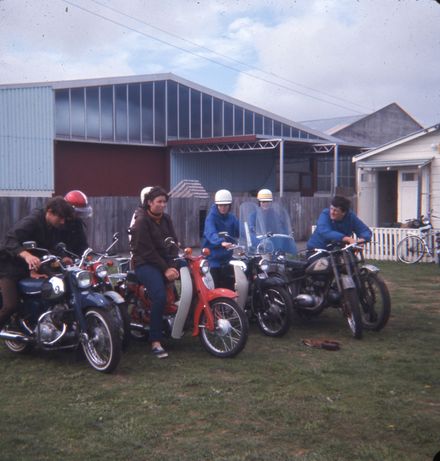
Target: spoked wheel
{"type": "Point", "coordinates": [18, 347]}
{"type": "Point", "coordinates": [375, 302]}
{"type": "Point", "coordinates": [231, 329]}
{"type": "Point", "coordinates": [352, 311]}
{"type": "Point", "coordinates": [103, 346]}
{"type": "Point", "coordinates": [411, 249]}
{"type": "Point", "coordinates": [273, 316]}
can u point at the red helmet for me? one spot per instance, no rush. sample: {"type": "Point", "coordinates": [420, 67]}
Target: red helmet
{"type": "Point", "coordinates": [80, 204]}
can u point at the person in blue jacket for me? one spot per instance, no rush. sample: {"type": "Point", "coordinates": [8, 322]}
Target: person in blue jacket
{"type": "Point", "coordinates": [220, 219]}
{"type": "Point", "coordinates": [338, 223]}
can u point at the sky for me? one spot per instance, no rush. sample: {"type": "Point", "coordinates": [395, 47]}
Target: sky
{"type": "Point", "coordinates": [300, 59]}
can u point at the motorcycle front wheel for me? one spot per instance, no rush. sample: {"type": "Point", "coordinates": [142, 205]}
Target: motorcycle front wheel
{"type": "Point", "coordinates": [273, 316]}
{"type": "Point", "coordinates": [103, 346]}
{"type": "Point", "coordinates": [230, 332]}
{"type": "Point", "coordinates": [352, 311]}
{"type": "Point", "coordinates": [375, 302]}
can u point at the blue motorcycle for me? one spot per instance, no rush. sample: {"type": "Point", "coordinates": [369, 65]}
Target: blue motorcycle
{"type": "Point", "coordinates": [58, 309]}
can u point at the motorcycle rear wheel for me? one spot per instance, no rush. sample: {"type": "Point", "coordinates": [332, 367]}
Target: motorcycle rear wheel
{"type": "Point", "coordinates": [273, 317]}
{"type": "Point", "coordinates": [352, 311]}
{"type": "Point", "coordinates": [103, 347]}
{"type": "Point", "coordinates": [375, 302]}
{"type": "Point", "coordinates": [231, 329]}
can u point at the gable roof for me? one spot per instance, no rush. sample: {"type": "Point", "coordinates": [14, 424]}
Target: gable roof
{"type": "Point", "coordinates": [395, 143]}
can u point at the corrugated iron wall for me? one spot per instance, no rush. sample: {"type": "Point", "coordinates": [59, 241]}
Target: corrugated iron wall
{"type": "Point", "coordinates": [237, 171]}
{"type": "Point", "coordinates": [26, 141]}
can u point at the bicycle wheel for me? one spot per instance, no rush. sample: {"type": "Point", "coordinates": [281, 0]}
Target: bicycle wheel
{"type": "Point", "coordinates": [411, 249]}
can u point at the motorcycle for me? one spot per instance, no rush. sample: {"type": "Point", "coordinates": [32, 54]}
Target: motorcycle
{"type": "Point", "coordinates": [327, 279]}
{"type": "Point", "coordinates": [92, 261]}
{"type": "Point", "coordinates": [215, 317]}
{"type": "Point", "coordinates": [263, 294]}
{"type": "Point", "coordinates": [59, 310]}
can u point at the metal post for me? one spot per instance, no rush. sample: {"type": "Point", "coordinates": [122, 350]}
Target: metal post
{"type": "Point", "coordinates": [281, 167]}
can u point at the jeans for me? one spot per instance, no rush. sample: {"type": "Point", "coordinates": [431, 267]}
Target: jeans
{"type": "Point", "coordinates": [154, 281]}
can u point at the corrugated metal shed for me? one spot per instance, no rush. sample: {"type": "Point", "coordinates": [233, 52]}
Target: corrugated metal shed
{"type": "Point", "coordinates": [26, 141]}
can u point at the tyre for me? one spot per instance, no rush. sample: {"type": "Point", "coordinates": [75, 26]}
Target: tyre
{"type": "Point", "coordinates": [231, 328]}
{"type": "Point", "coordinates": [124, 328]}
{"type": "Point", "coordinates": [411, 249]}
{"type": "Point", "coordinates": [352, 311]}
{"type": "Point", "coordinates": [273, 316]}
{"type": "Point", "coordinates": [103, 346]}
{"type": "Point", "coordinates": [375, 302]}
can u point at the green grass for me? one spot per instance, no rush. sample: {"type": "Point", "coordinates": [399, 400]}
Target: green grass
{"type": "Point", "coordinates": [375, 399]}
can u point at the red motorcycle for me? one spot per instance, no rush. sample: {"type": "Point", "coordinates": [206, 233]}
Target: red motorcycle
{"type": "Point", "coordinates": [212, 313]}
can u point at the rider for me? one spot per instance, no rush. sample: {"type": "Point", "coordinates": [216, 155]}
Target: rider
{"type": "Point", "coordinates": [220, 219]}
{"type": "Point", "coordinates": [152, 259]}
{"type": "Point", "coordinates": [41, 226]}
{"type": "Point", "coordinates": [73, 233]}
{"type": "Point", "coordinates": [338, 223]}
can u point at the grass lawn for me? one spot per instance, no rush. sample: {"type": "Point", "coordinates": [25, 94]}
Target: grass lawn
{"type": "Point", "coordinates": [375, 399]}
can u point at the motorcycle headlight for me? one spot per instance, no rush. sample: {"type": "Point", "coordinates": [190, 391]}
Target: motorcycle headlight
{"type": "Point", "coordinates": [264, 265]}
{"type": "Point", "coordinates": [83, 279]}
{"type": "Point", "coordinates": [101, 272]}
{"type": "Point", "coordinates": [204, 267]}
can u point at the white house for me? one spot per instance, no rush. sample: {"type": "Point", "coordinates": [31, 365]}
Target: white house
{"type": "Point", "coordinates": [400, 180]}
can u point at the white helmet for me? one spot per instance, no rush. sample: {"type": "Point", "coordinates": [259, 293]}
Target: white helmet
{"type": "Point", "coordinates": [264, 195]}
{"type": "Point", "coordinates": [144, 192]}
{"type": "Point", "coordinates": [223, 197]}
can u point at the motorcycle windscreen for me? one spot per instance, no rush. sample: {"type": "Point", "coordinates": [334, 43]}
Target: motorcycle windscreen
{"type": "Point", "coordinates": [266, 228]}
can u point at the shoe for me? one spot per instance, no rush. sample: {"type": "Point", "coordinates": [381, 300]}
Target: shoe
{"type": "Point", "coordinates": [159, 352]}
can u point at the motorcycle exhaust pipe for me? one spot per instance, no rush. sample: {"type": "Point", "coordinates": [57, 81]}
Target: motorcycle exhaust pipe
{"type": "Point", "coordinates": [12, 336]}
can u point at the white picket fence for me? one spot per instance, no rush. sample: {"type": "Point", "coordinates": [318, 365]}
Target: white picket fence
{"type": "Point", "coordinates": [383, 245]}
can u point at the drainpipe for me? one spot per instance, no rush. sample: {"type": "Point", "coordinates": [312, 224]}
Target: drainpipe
{"type": "Point", "coordinates": [335, 167]}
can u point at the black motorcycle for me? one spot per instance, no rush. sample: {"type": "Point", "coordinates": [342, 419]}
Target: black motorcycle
{"type": "Point", "coordinates": [327, 279]}
{"type": "Point", "coordinates": [59, 310]}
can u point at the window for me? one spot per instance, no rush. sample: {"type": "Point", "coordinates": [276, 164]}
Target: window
{"type": "Point", "coordinates": [172, 109]}
{"type": "Point", "coordinates": [134, 113]}
{"type": "Point", "coordinates": [121, 113]}
{"type": "Point", "coordinates": [218, 117]}
{"type": "Point", "coordinates": [276, 128]}
{"type": "Point", "coordinates": [92, 112]}
{"type": "Point", "coordinates": [159, 111]}
{"type": "Point", "coordinates": [258, 124]}
{"type": "Point", "coordinates": [409, 177]}
{"type": "Point", "coordinates": [228, 119]}
{"type": "Point", "coordinates": [107, 112]}
{"type": "Point", "coordinates": [238, 117]}
{"type": "Point", "coordinates": [77, 112]}
{"type": "Point", "coordinates": [183, 111]}
{"type": "Point", "coordinates": [267, 126]}
{"type": "Point", "coordinates": [147, 112]}
{"type": "Point", "coordinates": [206, 116]}
{"type": "Point", "coordinates": [195, 114]}
{"type": "Point", "coordinates": [62, 116]}
{"type": "Point", "coordinates": [286, 131]}
{"type": "Point", "coordinates": [248, 122]}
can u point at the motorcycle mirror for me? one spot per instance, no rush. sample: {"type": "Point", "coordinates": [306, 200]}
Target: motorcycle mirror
{"type": "Point", "coordinates": [115, 236]}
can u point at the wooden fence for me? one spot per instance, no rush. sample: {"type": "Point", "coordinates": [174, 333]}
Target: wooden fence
{"type": "Point", "coordinates": [113, 214]}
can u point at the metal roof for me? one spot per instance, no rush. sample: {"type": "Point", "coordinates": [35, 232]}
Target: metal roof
{"type": "Point", "coordinates": [379, 164]}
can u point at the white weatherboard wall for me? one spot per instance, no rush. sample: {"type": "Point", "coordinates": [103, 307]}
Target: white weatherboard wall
{"type": "Point", "coordinates": [423, 147]}
{"type": "Point", "coordinates": [26, 141]}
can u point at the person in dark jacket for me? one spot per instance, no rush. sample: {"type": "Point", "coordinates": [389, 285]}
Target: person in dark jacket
{"type": "Point", "coordinates": [220, 219]}
{"type": "Point", "coordinates": [152, 260]}
{"type": "Point", "coordinates": [16, 263]}
{"type": "Point", "coordinates": [338, 223]}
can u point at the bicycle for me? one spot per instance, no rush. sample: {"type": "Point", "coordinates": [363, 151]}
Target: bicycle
{"type": "Point", "coordinates": [412, 248]}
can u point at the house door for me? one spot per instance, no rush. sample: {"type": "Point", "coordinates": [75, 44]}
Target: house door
{"type": "Point", "coordinates": [408, 195]}
{"type": "Point", "coordinates": [387, 198]}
